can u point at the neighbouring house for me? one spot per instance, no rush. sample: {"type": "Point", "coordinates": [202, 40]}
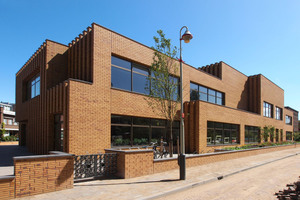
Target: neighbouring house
{"type": "Point", "coordinates": [7, 116]}
{"type": "Point", "coordinates": [89, 95]}
{"type": "Point", "coordinates": [292, 120]}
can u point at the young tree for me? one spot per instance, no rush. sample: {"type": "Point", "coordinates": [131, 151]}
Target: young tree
{"type": "Point", "coordinates": [2, 131]}
{"type": "Point", "coordinates": [162, 84]}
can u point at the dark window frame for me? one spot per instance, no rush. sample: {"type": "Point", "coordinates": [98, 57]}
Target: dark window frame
{"type": "Point", "coordinates": [205, 96]}
{"type": "Point", "coordinates": [268, 110]}
{"type": "Point", "coordinates": [278, 112]}
{"type": "Point", "coordinates": [253, 131]}
{"type": "Point", "coordinates": [150, 125]}
{"type": "Point", "coordinates": [133, 72]}
{"type": "Point", "coordinates": [288, 120]}
{"type": "Point", "coordinates": [222, 128]}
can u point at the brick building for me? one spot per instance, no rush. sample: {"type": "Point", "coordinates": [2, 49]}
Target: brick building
{"type": "Point", "coordinates": [89, 96]}
{"type": "Point", "coordinates": [292, 120]}
{"type": "Point", "coordinates": [7, 116]}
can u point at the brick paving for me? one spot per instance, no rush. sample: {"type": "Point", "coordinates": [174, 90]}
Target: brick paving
{"type": "Point", "coordinates": [161, 184]}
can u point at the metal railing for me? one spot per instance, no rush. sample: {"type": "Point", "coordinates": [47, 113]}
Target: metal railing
{"type": "Point", "coordinates": [95, 165]}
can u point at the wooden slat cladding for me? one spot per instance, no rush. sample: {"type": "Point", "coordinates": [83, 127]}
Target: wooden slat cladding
{"type": "Point", "coordinates": [213, 69]}
{"type": "Point", "coordinates": [254, 85]}
{"type": "Point", "coordinates": [79, 57]}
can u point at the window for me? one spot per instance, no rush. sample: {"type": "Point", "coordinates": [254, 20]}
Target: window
{"type": "Point", "coordinates": [128, 76]}
{"type": "Point", "coordinates": [9, 121]}
{"type": "Point", "coordinates": [198, 92]}
{"type": "Point", "coordinates": [289, 136]}
{"type": "Point", "coordinates": [288, 120]}
{"type": "Point", "coordinates": [5, 121]}
{"type": "Point", "coordinates": [33, 87]}
{"type": "Point", "coordinates": [222, 133]}
{"type": "Point", "coordinates": [137, 131]}
{"type": "Point", "coordinates": [278, 113]}
{"type": "Point", "coordinates": [252, 134]}
{"type": "Point", "coordinates": [268, 110]}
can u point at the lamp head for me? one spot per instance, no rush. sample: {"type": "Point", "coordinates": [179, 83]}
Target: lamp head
{"type": "Point", "coordinates": [187, 36]}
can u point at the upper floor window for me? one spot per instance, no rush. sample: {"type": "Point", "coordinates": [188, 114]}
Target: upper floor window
{"type": "Point", "coordinates": [33, 87]}
{"type": "Point", "coordinates": [288, 120]}
{"type": "Point", "coordinates": [278, 113]}
{"type": "Point", "coordinates": [128, 76]}
{"type": "Point", "coordinates": [134, 77]}
{"type": "Point", "coordinates": [198, 92]}
{"type": "Point", "coordinates": [268, 110]}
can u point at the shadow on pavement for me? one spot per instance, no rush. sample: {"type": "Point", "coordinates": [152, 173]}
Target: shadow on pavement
{"type": "Point", "coordinates": [7, 152]}
{"type": "Point", "coordinates": [131, 183]}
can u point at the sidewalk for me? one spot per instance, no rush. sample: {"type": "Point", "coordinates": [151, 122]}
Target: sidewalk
{"type": "Point", "coordinates": [158, 185]}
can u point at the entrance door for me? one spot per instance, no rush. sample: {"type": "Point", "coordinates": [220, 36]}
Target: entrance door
{"type": "Point", "coordinates": [22, 138]}
{"type": "Point", "coordinates": [58, 132]}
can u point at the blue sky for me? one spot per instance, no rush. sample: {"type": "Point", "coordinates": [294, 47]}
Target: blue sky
{"type": "Point", "coordinates": [252, 36]}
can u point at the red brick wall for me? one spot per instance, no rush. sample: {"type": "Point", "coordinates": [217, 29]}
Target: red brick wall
{"type": "Point", "coordinates": [7, 188]}
{"type": "Point", "coordinates": [41, 174]}
{"type": "Point", "coordinates": [132, 163]}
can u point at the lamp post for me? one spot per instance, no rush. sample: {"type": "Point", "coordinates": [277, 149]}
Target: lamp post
{"type": "Point", "coordinates": [187, 36]}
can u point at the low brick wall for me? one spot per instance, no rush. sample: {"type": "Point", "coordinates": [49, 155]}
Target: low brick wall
{"type": "Point", "coordinates": [7, 187]}
{"type": "Point", "coordinates": [133, 163]}
{"type": "Point", "coordinates": [202, 159]}
{"type": "Point", "coordinates": [41, 174]}
{"type": "Point", "coordinates": [37, 175]}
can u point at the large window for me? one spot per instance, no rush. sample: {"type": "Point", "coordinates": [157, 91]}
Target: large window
{"type": "Point", "coordinates": [130, 76]}
{"type": "Point", "coordinates": [278, 113]}
{"type": "Point", "coordinates": [289, 136]}
{"type": "Point", "coordinates": [138, 131]}
{"type": "Point", "coordinates": [33, 87]}
{"type": "Point", "coordinates": [222, 133]}
{"type": "Point", "coordinates": [268, 110]}
{"type": "Point", "coordinates": [252, 134]}
{"type": "Point", "coordinates": [198, 92]}
{"type": "Point", "coordinates": [288, 120]}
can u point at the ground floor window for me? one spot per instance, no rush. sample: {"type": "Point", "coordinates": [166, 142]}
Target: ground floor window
{"type": "Point", "coordinates": [289, 136]}
{"type": "Point", "coordinates": [139, 131]}
{"type": "Point", "coordinates": [222, 133]}
{"type": "Point", "coordinates": [252, 134]}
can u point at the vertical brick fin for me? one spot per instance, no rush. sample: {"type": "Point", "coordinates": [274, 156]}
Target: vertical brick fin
{"type": "Point", "coordinates": [186, 126]}
{"type": "Point", "coordinates": [213, 69]}
{"type": "Point", "coordinates": [91, 67]}
{"type": "Point", "coordinates": [70, 60]}
{"type": "Point", "coordinates": [254, 93]}
{"type": "Point", "coordinates": [76, 58]}
{"type": "Point", "coordinates": [83, 56]}
{"type": "Point", "coordinates": [197, 127]}
{"type": "Point", "coordinates": [80, 57]}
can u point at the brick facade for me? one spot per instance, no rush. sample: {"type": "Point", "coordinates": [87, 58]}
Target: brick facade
{"type": "Point", "coordinates": [37, 175]}
{"type": "Point", "coordinates": [76, 83]}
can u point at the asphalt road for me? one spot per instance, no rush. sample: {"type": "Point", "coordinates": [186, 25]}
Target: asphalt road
{"type": "Point", "coordinates": [258, 183]}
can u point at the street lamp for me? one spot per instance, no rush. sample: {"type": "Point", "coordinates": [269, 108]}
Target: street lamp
{"type": "Point", "coordinates": [187, 36]}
